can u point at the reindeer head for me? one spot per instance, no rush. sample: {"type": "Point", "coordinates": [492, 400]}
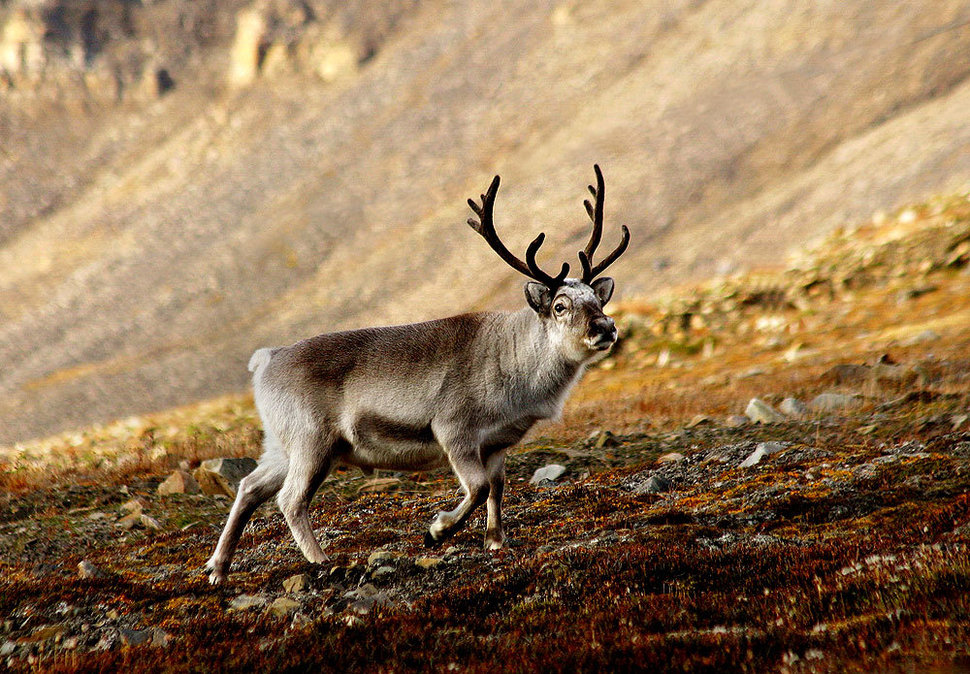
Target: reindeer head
{"type": "Point", "coordinates": [572, 309]}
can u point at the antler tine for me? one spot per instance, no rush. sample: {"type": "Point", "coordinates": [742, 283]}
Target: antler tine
{"type": "Point", "coordinates": [486, 228]}
{"type": "Point", "coordinates": [611, 258]}
{"type": "Point", "coordinates": [595, 214]}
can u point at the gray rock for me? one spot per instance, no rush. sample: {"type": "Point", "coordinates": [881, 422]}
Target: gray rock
{"type": "Point", "coordinates": [380, 557]}
{"type": "Point", "coordinates": [761, 412]}
{"type": "Point", "coordinates": [365, 597]}
{"type": "Point", "coordinates": [671, 457]}
{"type": "Point", "coordinates": [834, 402]}
{"type": "Point", "coordinates": [246, 602]}
{"type": "Point", "coordinates": [652, 485]}
{"type": "Point", "coordinates": [222, 476]}
{"type": "Point", "coordinates": [736, 421]}
{"type": "Point", "coordinates": [552, 472]}
{"type": "Point", "coordinates": [134, 637]}
{"type": "Point", "coordinates": [793, 407]}
{"type": "Point", "coordinates": [86, 569]}
{"type": "Point", "coordinates": [762, 450]}
{"type": "Point", "coordinates": [8, 648]}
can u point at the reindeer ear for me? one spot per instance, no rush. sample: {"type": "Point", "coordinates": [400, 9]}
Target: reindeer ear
{"type": "Point", "coordinates": [603, 287]}
{"type": "Point", "coordinates": [538, 296]}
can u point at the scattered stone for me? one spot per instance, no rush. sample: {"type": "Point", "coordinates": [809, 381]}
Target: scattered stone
{"type": "Point", "coordinates": [652, 485]}
{"type": "Point", "coordinates": [761, 412]}
{"type": "Point", "coordinates": [697, 420]}
{"type": "Point", "coordinates": [149, 522]}
{"type": "Point", "coordinates": [382, 571]}
{"type": "Point", "coordinates": [134, 637]}
{"type": "Point", "coordinates": [762, 450]}
{"type": "Point", "coordinates": [365, 597]}
{"type": "Point", "coordinates": [179, 482]}
{"type": "Point", "coordinates": [427, 562]}
{"type": "Point", "coordinates": [246, 602]}
{"type": "Point", "coordinates": [958, 420]}
{"type": "Point", "coordinates": [793, 407]}
{"type": "Point", "coordinates": [222, 476]}
{"type": "Point", "coordinates": [834, 402]}
{"type": "Point", "coordinates": [736, 421]}
{"type": "Point", "coordinates": [8, 648]}
{"type": "Point", "coordinates": [671, 457]}
{"type": "Point", "coordinates": [845, 374]}
{"type": "Point", "coordinates": [551, 472]}
{"type": "Point", "coordinates": [282, 607]}
{"type": "Point", "coordinates": [135, 505]}
{"type": "Point", "coordinates": [129, 521]}
{"type": "Point", "coordinates": [376, 558]}
{"type": "Point", "coordinates": [42, 634]}
{"type": "Point", "coordinates": [87, 570]}
{"type": "Point", "coordinates": [296, 584]}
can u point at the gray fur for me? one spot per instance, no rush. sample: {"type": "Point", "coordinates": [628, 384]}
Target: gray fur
{"type": "Point", "coordinates": [457, 391]}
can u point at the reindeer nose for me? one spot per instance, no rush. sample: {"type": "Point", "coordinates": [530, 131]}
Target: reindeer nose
{"type": "Point", "coordinates": [602, 327]}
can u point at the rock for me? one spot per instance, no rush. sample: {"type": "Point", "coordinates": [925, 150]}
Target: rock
{"type": "Point", "coordinates": [376, 558]}
{"type": "Point", "coordinates": [762, 450]}
{"type": "Point", "coordinates": [179, 482]}
{"type": "Point", "coordinates": [382, 571]}
{"type": "Point", "coordinates": [653, 485]}
{"type": "Point", "coordinates": [135, 505]}
{"type": "Point", "coordinates": [149, 522]}
{"type": "Point", "coordinates": [8, 648]}
{"type": "Point", "coordinates": [222, 476]}
{"type": "Point", "coordinates": [834, 402]}
{"type": "Point", "coordinates": [282, 607]}
{"type": "Point", "coordinates": [697, 420]}
{"type": "Point", "coordinates": [551, 472]}
{"type": "Point", "coordinates": [246, 602]}
{"type": "Point", "coordinates": [736, 421]}
{"type": "Point", "coordinates": [793, 407]}
{"type": "Point", "coordinates": [366, 597]}
{"type": "Point", "coordinates": [129, 521]}
{"type": "Point", "coordinates": [87, 570]}
{"type": "Point", "coordinates": [427, 562]}
{"type": "Point", "coordinates": [921, 338]}
{"type": "Point", "coordinates": [296, 584]}
{"type": "Point", "coordinates": [671, 457]}
{"type": "Point", "coordinates": [134, 637]}
{"type": "Point", "coordinates": [761, 412]}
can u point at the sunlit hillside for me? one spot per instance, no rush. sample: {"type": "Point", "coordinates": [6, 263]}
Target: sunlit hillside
{"type": "Point", "coordinates": [184, 182]}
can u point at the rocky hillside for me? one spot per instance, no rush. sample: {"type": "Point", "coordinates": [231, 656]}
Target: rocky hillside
{"type": "Point", "coordinates": [771, 473]}
{"type": "Point", "coordinates": [183, 182]}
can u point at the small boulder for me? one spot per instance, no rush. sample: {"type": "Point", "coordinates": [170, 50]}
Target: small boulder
{"type": "Point", "coordinates": [552, 472]}
{"type": "Point", "coordinates": [296, 584]}
{"type": "Point", "coordinates": [834, 402]}
{"type": "Point", "coordinates": [282, 607]}
{"type": "Point", "coordinates": [653, 485]}
{"type": "Point", "coordinates": [793, 407]}
{"type": "Point", "coordinates": [671, 457]}
{"type": "Point", "coordinates": [87, 570]}
{"type": "Point", "coordinates": [222, 476]}
{"type": "Point", "coordinates": [246, 602]}
{"type": "Point", "coordinates": [427, 562]}
{"type": "Point", "coordinates": [179, 482]}
{"type": "Point", "coordinates": [762, 450]}
{"type": "Point", "coordinates": [761, 412]}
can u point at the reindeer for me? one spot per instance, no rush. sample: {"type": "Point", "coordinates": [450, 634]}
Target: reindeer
{"type": "Point", "coordinates": [456, 391]}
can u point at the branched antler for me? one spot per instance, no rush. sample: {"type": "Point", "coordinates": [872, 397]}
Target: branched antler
{"type": "Point", "coordinates": [596, 215]}
{"type": "Point", "coordinates": [486, 228]}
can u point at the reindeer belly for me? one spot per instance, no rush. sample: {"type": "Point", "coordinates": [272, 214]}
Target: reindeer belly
{"type": "Point", "coordinates": [389, 444]}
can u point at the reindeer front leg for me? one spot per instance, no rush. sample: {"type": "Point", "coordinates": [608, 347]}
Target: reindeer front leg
{"type": "Point", "coordinates": [466, 462]}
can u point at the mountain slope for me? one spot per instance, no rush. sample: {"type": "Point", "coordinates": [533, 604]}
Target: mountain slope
{"type": "Point", "coordinates": [179, 233]}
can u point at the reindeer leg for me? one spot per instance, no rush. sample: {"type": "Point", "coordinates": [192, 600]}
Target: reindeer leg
{"type": "Point", "coordinates": [467, 465]}
{"type": "Point", "coordinates": [309, 465]}
{"type": "Point", "coordinates": [254, 490]}
{"type": "Point", "coordinates": [495, 470]}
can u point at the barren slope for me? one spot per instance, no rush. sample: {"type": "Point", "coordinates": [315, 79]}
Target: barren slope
{"type": "Point", "coordinates": [148, 247]}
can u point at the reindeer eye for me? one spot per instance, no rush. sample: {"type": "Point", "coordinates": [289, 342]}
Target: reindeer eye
{"type": "Point", "coordinates": [560, 307]}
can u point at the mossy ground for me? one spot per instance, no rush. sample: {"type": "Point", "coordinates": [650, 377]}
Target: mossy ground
{"type": "Point", "coordinates": [847, 550]}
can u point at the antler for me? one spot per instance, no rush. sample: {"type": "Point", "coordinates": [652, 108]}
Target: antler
{"type": "Point", "coordinates": [596, 215]}
{"type": "Point", "coordinates": [485, 227]}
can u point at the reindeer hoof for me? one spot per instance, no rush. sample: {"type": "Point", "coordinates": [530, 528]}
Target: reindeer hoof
{"type": "Point", "coordinates": [430, 541]}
